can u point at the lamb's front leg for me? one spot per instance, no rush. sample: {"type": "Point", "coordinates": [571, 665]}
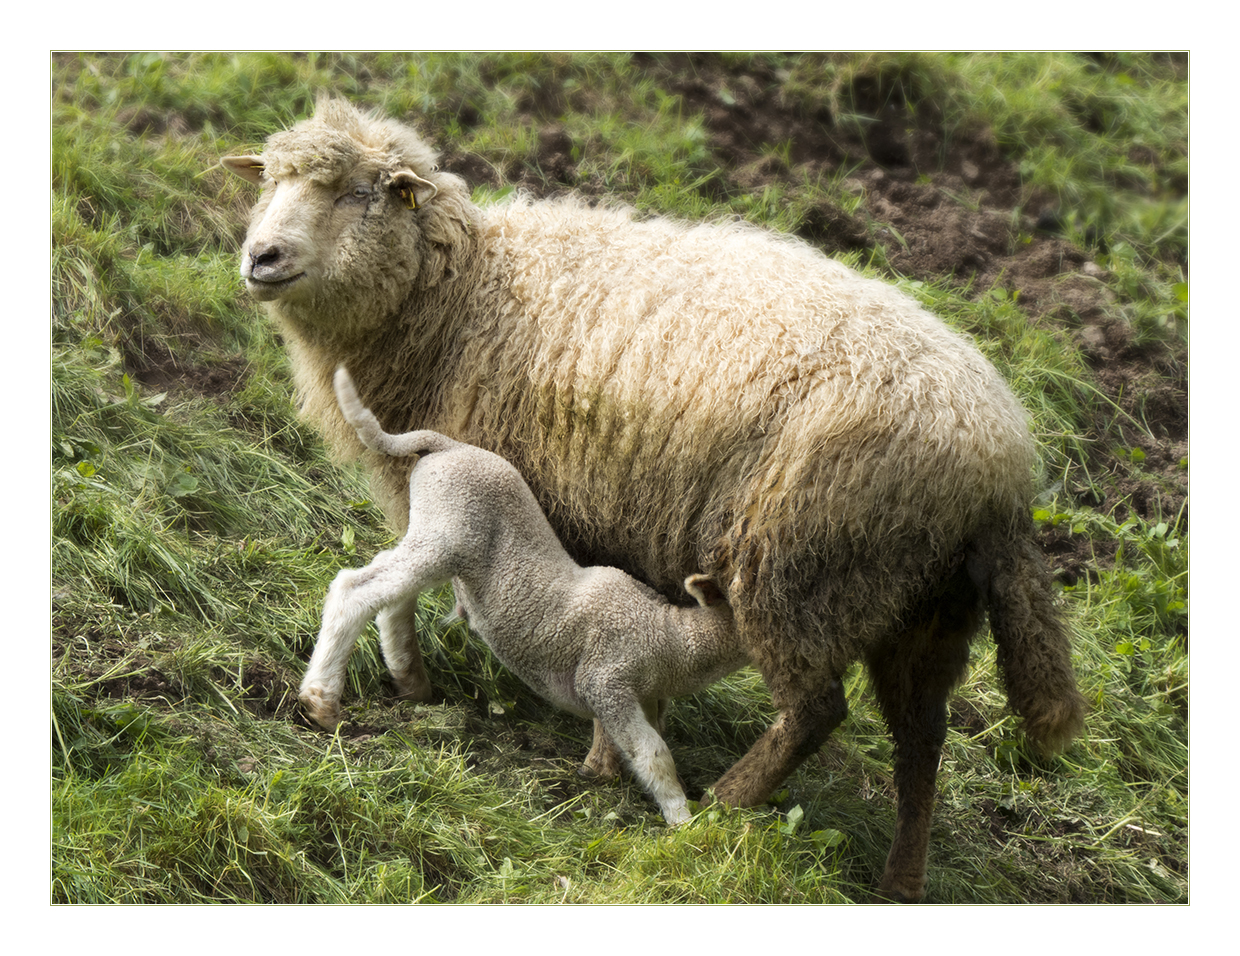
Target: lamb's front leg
{"type": "Point", "coordinates": [631, 726]}
{"type": "Point", "coordinates": [604, 759]}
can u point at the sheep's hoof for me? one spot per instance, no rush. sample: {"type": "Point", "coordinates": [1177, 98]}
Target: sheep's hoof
{"type": "Point", "coordinates": [887, 892]}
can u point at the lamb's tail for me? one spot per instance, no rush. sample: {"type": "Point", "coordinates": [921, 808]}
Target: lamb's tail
{"type": "Point", "coordinates": [371, 433]}
{"type": "Point", "coordinates": [1032, 637]}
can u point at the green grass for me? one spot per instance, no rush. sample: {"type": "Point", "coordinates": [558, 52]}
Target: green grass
{"type": "Point", "coordinates": [195, 533]}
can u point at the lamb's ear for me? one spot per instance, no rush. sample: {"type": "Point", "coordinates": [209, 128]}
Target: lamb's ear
{"type": "Point", "coordinates": [247, 167]}
{"type": "Point", "coordinates": [704, 589]}
{"type": "Point", "coordinates": [413, 190]}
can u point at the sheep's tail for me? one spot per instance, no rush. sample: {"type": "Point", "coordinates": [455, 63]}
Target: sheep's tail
{"type": "Point", "coordinates": [371, 432]}
{"type": "Point", "coordinates": [1034, 653]}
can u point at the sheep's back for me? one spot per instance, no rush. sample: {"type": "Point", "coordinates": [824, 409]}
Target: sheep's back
{"type": "Point", "coordinates": [717, 398]}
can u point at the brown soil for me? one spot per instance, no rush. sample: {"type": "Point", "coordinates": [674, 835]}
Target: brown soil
{"type": "Point", "coordinates": [157, 369]}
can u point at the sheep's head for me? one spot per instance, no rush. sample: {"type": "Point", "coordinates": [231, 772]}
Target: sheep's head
{"type": "Point", "coordinates": [347, 205]}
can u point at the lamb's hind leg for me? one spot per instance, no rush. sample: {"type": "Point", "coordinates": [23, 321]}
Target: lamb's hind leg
{"type": "Point", "coordinates": [913, 673]}
{"type": "Point", "coordinates": [802, 727]}
{"type": "Point", "coordinates": [354, 598]}
{"type": "Point", "coordinates": [398, 636]}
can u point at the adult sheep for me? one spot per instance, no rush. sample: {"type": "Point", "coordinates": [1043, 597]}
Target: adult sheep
{"type": "Point", "coordinates": [682, 398]}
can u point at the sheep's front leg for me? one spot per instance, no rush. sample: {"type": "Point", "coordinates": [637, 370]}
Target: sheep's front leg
{"type": "Point", "coordinates": [398, 636]}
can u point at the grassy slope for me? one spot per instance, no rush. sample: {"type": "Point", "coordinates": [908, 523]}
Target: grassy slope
{"type": "Point", "coordinates": [196, 525]}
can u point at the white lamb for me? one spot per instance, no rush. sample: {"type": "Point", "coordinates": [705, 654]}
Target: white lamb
{"type": "Point", "coordinates": [593, 641]}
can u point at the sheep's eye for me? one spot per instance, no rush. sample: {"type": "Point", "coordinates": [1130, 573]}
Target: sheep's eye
{"type": "Point", "coordinates": [357, 194]}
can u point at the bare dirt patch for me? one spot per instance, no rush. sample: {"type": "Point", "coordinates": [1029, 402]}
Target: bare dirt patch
{"type": "Point", "coordinates": [157, 369]}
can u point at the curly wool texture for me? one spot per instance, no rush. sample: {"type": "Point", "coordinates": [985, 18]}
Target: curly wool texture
{"type": "Point", "coordinates": [679, 398]}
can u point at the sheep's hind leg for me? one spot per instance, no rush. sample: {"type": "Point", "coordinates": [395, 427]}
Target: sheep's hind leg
{"type": "Point", "coordinates": [398, 636]}
{"type": "Point", "coordinates": [913, 673]}
{"type": "Point", "coordinates": [802, 727]}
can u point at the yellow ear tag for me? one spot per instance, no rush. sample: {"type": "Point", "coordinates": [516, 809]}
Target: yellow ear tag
{"type": "Point", "coordinates": [408, 196]}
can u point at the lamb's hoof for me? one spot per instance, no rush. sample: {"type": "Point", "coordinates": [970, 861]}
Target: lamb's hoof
{"type": "Point", "coordinates": [415, 691]}
{"type": "Point", "coordinates": [596, 773]}
{"type": "Point", "coordinates": [323, 712]}
{"type": "Point", "coordinates": [675, 816]}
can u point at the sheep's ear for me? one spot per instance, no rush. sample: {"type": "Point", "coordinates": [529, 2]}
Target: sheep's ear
{"type": "Point", "coordinates": [704, 589]}
{"type": "Point", "coordinates": [413, 190]}
{"type": "Point", "coordinates": [247, 167]}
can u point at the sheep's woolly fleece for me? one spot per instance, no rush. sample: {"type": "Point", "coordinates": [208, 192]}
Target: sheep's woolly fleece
{"type": "Point", "coordinates": [679, 397]}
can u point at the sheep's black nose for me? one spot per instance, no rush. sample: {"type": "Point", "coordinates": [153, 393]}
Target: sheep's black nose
{"type": "Point", "coordinates": [265, 255]}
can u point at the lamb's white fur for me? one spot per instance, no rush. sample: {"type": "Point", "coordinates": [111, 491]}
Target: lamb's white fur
{"type": "Point", "coordinates": [593, 640]}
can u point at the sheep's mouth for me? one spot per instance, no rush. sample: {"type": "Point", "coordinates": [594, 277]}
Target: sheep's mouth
{"type": "Point", "coordinates": [264, 290]}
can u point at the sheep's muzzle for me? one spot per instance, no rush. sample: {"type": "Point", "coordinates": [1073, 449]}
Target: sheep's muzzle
{"type": "Point", "coordinates": [269, 272]}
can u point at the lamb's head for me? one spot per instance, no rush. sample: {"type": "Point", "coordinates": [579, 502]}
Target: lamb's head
{"type": "Point", "coordinates": [353, 209]}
